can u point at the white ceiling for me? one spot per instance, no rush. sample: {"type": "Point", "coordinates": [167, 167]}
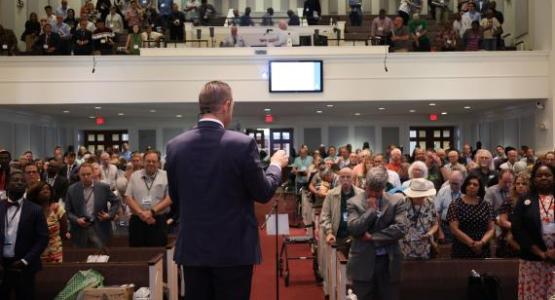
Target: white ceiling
{"type": "Point", "coordinates": [256, 109]}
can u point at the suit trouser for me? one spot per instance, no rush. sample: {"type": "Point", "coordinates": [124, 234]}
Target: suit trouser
{"type": "Point", "coordinates": [217, 283]}
{"type": "Point", "coordinates": [142, 234]}
{"type": "Point", "coordinates": [22, 282]}
{"type": "Point", "coordinates": [379, 287]}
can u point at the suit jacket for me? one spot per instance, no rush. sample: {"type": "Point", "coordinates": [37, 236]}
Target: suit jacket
{"type": "Point", "coordinates": [53, 42]}
{"type": "Point", "coordinates": [386, 230]}
{"type": "Point", "coordinates": [75, 207]}
{"type": "Point", "coordinates": [214, 178]}
{"type": "Point", "coordinates": [32, 234]}
{"type": "Point", "coordinates": [73, 176]}
{"type": "Point", "coordinates": [330, 217]}
{"type": "Point", "coordinates": [526, 226]}
{"type": "Point", "coordinates": [60, 187]}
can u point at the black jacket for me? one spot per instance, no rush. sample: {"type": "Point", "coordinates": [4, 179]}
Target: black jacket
{"type": "Point", "coordinates": [527, 226]}
{"type": "Point", "coordinates": [32, 234]}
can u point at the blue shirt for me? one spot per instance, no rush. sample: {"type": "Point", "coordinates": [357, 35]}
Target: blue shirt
{"type": "Point", "coordinates": [62, 29]}
{"type": "Point", "coordinates": [443, 199]}
{"type": "Point", "coordinates": [302, 165]}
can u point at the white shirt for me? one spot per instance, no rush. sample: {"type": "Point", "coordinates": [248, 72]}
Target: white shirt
{"type": "Point", "coordinates": [146, 190]}
{"type": "Point", "coordinates": [110, 175]}
{"type": "Point", "coordinates": [212, 120]}
{"type": "Point", "coordinates": [154, 37]}
{"type": "Point", "coordinates": [114, 22]}
{"type": "Point", "coordinates": [393, 178]}
{"type": "Point", "coordinates": [11, 225]}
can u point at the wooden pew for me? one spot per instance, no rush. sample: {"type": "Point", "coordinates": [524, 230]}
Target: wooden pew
{"type": "Point", "coordinates": [448, 278]}
{"type": "Point", "coordinates": [149, 272]}
{"type": "Point", "coordinates": [440, 279]}
{"type": "Point", "coordinates": [341, 276]}
{"type": "Point", "coordinates": [119, 249]}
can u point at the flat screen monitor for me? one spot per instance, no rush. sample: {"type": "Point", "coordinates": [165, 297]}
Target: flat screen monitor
{"type": "Point", "coordinates": [299, 76]}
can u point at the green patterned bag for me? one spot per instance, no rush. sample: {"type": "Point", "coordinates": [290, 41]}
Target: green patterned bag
{"type": "Point", "coordinates": [80, 281]}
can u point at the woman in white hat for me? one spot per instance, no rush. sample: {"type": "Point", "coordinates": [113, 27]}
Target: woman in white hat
{"type": "Point", "coordinates": [423, 220]}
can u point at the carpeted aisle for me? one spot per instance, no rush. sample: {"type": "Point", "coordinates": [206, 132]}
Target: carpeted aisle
{"type": "Point", "coordinates": [302, 281]}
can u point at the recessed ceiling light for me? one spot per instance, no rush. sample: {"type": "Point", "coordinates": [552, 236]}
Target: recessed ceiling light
{"type": "Point", "coordinates": [467, 107]}
{"type": "Point", "coordinates": [66, 111]}
{"type": "Point", "coordinates": [432, 104]}
{"type": "Point", "coordinates": [98, 107]}
{"type": "Point", "coordinates": [267, 110]}
{"type": "Point", "coordinates": [121, 114]}
{"type": "Point", "coordinates": [92, 117]}
{"type": "Point", "coordinates": [319, 111]}
{"type": "Point", "coordinates": [412, 111]}
{"type": "Point", "coordinates": [329, 105]}
{"type": "Point", "coordinates": [356, 114]}
{"type": "Point", "coordinates": [179, 116]}
{"type": "Point", "coordinates": [444, 113]}
{"type": "Point", "coordinates": [152, 110]}
{"type": "Point", "coordinates": [381, 108]}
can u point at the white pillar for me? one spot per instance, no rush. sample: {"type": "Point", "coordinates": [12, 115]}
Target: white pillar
{"type": "Point", "coordinates": [325, 6]}
{"type": "Point", "coordinates": [225, 7]}
{"type": "Point", "coordinates": [276, 5]}
{"type": "Point", "coordinates": [242, 5]}
{"type": "Point", "coordinates": [259, 6]}
{"type": "Point", "coordinates": [393, 7]}
{"type": "Point", "coordinates": [341, 7]}
{"type": "Point", "coordinates": [376, 5]}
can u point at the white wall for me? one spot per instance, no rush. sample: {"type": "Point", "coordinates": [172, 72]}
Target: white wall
{"type": "Point", "coordinates": [351, 74]}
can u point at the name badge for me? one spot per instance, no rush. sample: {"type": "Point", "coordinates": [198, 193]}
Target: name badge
{"type": "Point", "coordinates": [45, 46]}
{"type": "Point", "coordinates": [147, 201]}
{"type": "Point", "coordinates": [380, 28]}
{"type": "Point", "coordinates": [135, 46]}
{"type": "Point", "coordinates": [549, 228]}
{"type": "Point", "coordinates": [5, 47]}
{"type": "Point", "coordinates": [103, 41]}
{"type": "Point", "coordinates": [345, 216]}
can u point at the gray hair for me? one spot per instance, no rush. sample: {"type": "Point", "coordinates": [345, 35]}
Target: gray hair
{"type": "Point", "coordinates": [324, 171]}
{"type": "Point", "coordinates": [419, 165]}
{"type": "Point", "coordinates": [376, 179]}
{"type": "Point", "coordinates": [213, 96]}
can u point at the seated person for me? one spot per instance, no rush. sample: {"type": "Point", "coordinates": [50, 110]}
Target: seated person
{"type": "Point", "coordinates": [47, 43]}
{"type": "Point", "coordinates": [82, 39]}
{"type": "Point", "coordinates": [381, 28]}
{"type": "Point", "coordinates": [8, 41]}
{"type": "Point", "coordinates": [293, 18]}
{"type": "Point", "coordinates": [281, 36]}
{"type": "Point", "coordinates": [245, 19]}
{"type": "Point", "coordinates": [103, 38]}
{"type": "Point", "coordinates": [151, 38]}
{"type": "Point", "coordinates": [267, 18]}
{"type": "Point", "coordinates": [234, 39]}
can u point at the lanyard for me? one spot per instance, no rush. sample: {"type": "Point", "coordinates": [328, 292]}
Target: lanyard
{"type": "Point", "coordinates": [152, 183]}
{"type": "Point", "coordinates": [546, 210]}
{"type": "Point", "coordinates": [416, 213]}
{"type": "Point", "coordinates": [9, 222]}
{"type": "Point", "coordinates": [88, 198]}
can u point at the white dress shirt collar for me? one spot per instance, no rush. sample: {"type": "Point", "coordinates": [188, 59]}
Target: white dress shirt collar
{"type": "Point", "coordinates": [212, 120]}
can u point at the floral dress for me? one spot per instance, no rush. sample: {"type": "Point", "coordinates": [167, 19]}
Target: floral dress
{"type": "Point", "coordinates": [536, 279]}
{"type": "Point", "coordinates": [53, 252]}
{"type": "Point", "coordinates": [421, 218]}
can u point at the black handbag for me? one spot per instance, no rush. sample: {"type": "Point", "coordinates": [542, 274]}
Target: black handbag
{"type": "Point", "coordinates": [484, 287]}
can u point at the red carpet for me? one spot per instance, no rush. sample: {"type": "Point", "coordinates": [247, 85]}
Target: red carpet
{"type": "Point", "coordinates": [302, 283]}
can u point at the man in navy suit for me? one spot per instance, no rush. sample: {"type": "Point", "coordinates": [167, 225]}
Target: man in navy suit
{"type": "Point", "coordinates": [214, 178]}
{"type": "Point", "coordinates": [24, 236]}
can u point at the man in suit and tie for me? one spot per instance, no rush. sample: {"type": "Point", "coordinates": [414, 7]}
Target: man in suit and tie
{"type": "Point", "coordinates": [71, 169]}
{"type": "Point", "coordinates": [215, 176]}
{"type": "Point", "coordinates": [88, 212]}
{"type": "Point", "coordinates": [58, 182]}
{"type": "Point", "coordinates": [376, 221]}
{"type": "Point", "coordinates": [24, 236]}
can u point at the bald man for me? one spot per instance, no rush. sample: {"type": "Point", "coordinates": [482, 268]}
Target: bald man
{"type": "Point", "coordinates": [333, 218]}
{"type": "Point", "coordinates": [109, 171]}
